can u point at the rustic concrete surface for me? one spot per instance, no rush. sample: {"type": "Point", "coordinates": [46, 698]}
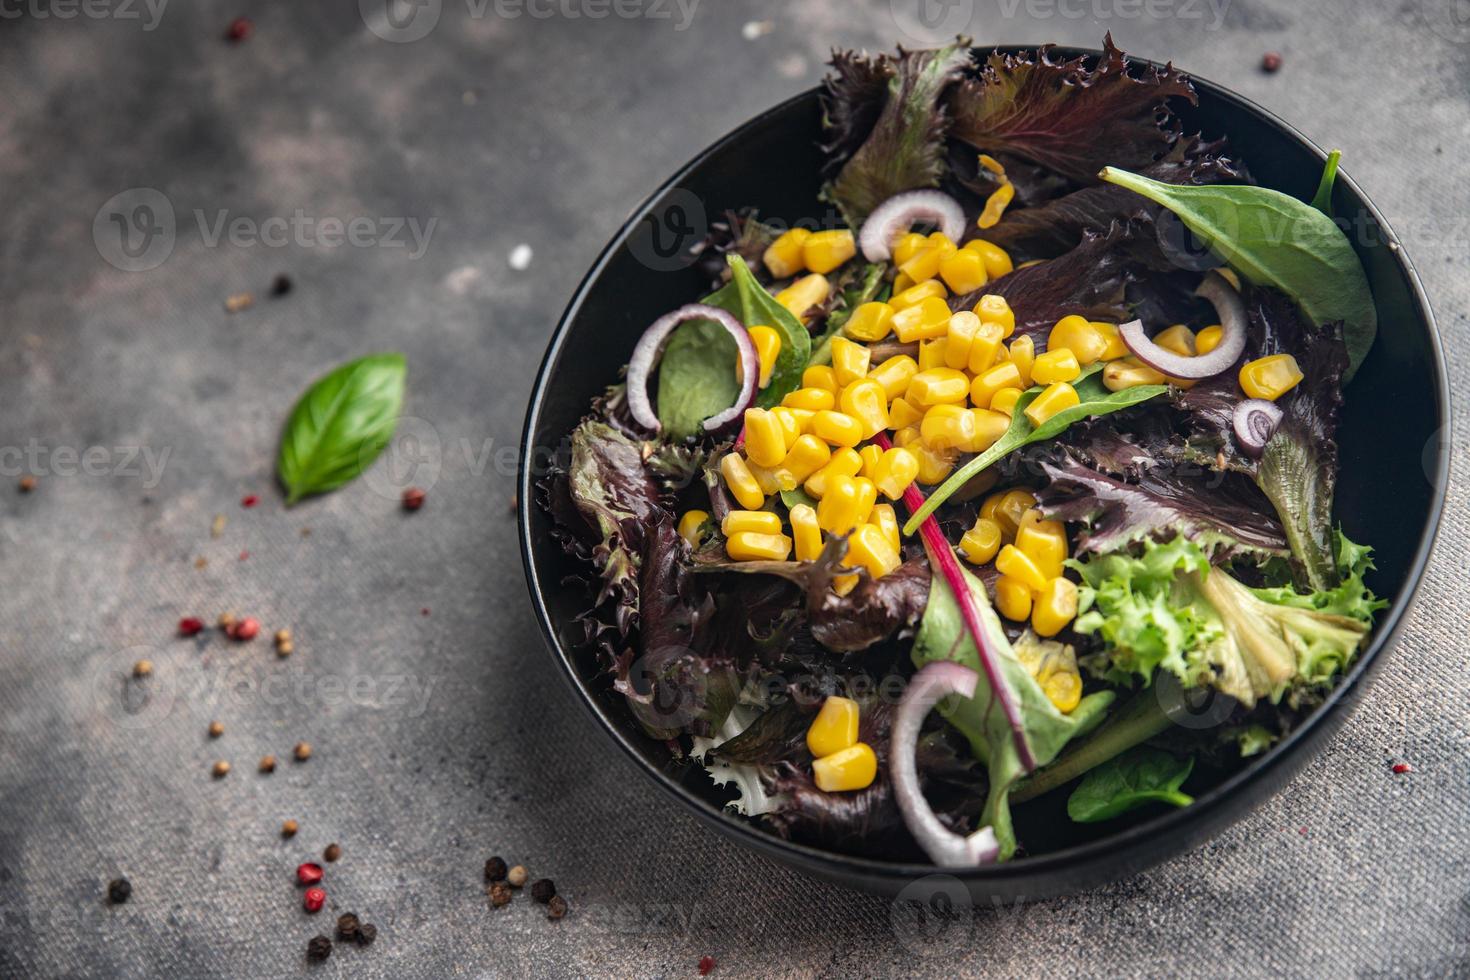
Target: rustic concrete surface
{"type": "Point", "coordinates": [442, 732]}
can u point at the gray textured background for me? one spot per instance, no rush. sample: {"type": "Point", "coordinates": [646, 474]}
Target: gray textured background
{"type": "Point", "coordinates": [441, 739]}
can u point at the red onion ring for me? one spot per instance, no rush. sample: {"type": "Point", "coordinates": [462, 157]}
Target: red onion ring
{"type": "Point", "coordinates": [1255, 421]}
{"type": "Point", "coordinates": [901, 212]}
{"type": "Point", "coordinates": [650, 348]}
{"type": "Point", "coordinates": [945, 848]}
{"type": "Point", "coordinates": [1233, 325]}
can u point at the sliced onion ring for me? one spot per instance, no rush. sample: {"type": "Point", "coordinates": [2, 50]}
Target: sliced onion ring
{"type": "Point", "coordinates": [901, 212]}
{"type": "Point", "coordinates": [945, 848]}
{"type": "Point", "coordinates": [1231, 312]}
{"type": "Point", "coordinates": [1255, 421]}
{"type": "Point", "coordinates": [650, 348]}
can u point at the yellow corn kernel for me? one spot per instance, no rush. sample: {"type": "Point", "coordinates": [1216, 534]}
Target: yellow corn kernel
{"type": "Point", "coordinates": [1056, 398]}
{"type": "Point", "coordinates": [989, 427]}
{"type": "Point", "coordinates": [1179, 339]}
{"type": "Point", "coordinates": [783, 257]}
{"type": "Point", "coordinates": [998, 378]}
{"type": "Point", "coordinates": [908, 434]}
{"type": "Point", "coordinates": [1004, 401]}
{"type": "Point", "coordinates": [767, 345]}
{"type": "Point", "coordinates": [1115, 347]}
{"type": "Point", "coordinates": [964, 271]}
{"type": "Point", "coordinates": [924, 264]}
{"type": "Point", "coordinates": [933, 353]}
{"type": "Point", "coordinates": [850, 769]}
{"type": "Point", "coordinates": [810, 399]}
{"type": "Point", "coordinates": [902, 413]}
{"type": "Point", "coordinates": [806, 532]}
{"type": "Point", "coordinates": [949, 427]}
{"type": "Point", "coordinates": [908, 246]}
{"type": "Point", "coordinates": [997, 260]}
{"type": "Point", "coordinates": [866, 401]}
{"type": "Point", "coordinates": [846, 504]}
{"type": "Point", "coordinates": [1012, 598]}
{"type": "Point", "coordinates": [1063, 688]}
{"type": "Point", "coordinates": [1270, 377]}
{"type": "Point", "coordinates": [938, 386]}
{"type": "Point", "coordinates": [1015, 563]}
{"type": "Point", "coordinates": [1009, 510]}
{"type": "Point", "coordinates": [1078, 335]}
{"type": "Point", "coordinates": [1129, 372]}
{"type": "Point", "coordinates": [872, 455]}
{"type": "Point", "coordinates": [985, 347]}
{"type": "Point", "coordinates": [981, 542]}
{"type": "Point", "coordinates": [934, 465]}
{"type": "Point", "coordinates": [805, 293]}
{"type": "Point", "coordinates": [993, 308]}
{"type": "Point", "coordinates": [742, 485]}
{"type": "Point", "coordinates": [765, 477]}
{"type": "Point", "coordinates": [894, 375]}
{"type": "Point", "coordinates": [868, 547]}
{"type": "Point", "coordinates": [790, 425]}
{"type": "Point", "coordinates": [754, 546]}
{"type": "Point", "coordinates": [895, 472]}
{"type": "Point", "coordinates": [1055, 607]}
{"type": "Point", "coordinates": [820, 376]}
{"type": "Point", "coordinates": [835, 728]}
{"type": "Point", "coordinates": [885, 519]}
{"type": "Point", "coordinates": [995, 205]}
{"type": "Point", "coordinates": [1208, 338]}
{"type": "Point", "coordinates": [765, 438]}
{"type": "Point", "coordinates": [870, 322]}
{"type": "Point", "coordinates": [926, 320]}
{"type": "Point", "coordinates": [989, 505]}
{"type": "Point", "coordinates": [690, 524]}
{"type": "Point", "coordinates": [1054, 366]}
{"type": "Point", "coordinates": [1044, 542]}
{"type": "Point", "coordinates": [808, 455]}
{"type": "Point", "coordinates": [941, 239]}
{"type": "Point", "coordinates": [844, 462]}
{"type": "Point", "coordinates": [849, 361]}
{"type": "Point", "coordinates": [837, 428]}
{"type": "Point", "coordinates": [915, 295]}
{"type": "Point", "coordinates": [1023, 355]}
{"type": "Point", "coordinates": [754, 521]}
{"type": "Point", "coordinates": [992, 164]}
{"type": "Point", "coordinates": [824, 251]}
{"type": "Point", "coordinates": [959, 337]}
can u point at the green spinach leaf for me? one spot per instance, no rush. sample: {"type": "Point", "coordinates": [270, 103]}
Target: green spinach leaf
{"type": "Point", "coordinates": [1322, 200]}
{"type": "Point", "coordinates": [340, 425]}
{"type": "Point", "coordinates": [1095, 399]}
{"type": "Point", "coordinates": [1140, 776]}
{"type": "Point", "coordinates": [1272, 239]}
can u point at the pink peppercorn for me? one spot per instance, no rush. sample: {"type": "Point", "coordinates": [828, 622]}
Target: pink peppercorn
{"type": "Point", "coordinates": [309, 873]}
{"type": "Point", "coordinates": [190, 626]}
{"type": "Point", "coordinates": [246, 629]}
{"type": "Point", "coordinates": [249, 500]}
{"type": "Point", "coordinates": [313, 899]}
{"type": "Point", "coordinates": [240, 28]}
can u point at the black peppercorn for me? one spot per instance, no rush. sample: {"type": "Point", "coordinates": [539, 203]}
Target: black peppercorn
{"type": "Point", "coordinates": [366, 933]}
{"type": "Point", "coordinates": [332, 852]}
{"type": "Point", "coordinates": [556, 908]}
{"type": "Point", "coordinates": [543, 890]}
{"type": "Point", "coordinates": [318, 949]}
{"type": "Point", "coordinates": [495, 869]}
{"type": "Point", "coordinates": [281, 285]}
{"type": "Point", "coordinates": [347, 926]}
{"type": "Point", "coordinates": [118, 890]}
{"type": "Point", "coordinates": [500, 894]}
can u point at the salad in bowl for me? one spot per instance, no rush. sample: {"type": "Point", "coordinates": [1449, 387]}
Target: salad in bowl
{"type": "Point", "coordinates": [1008, 476]}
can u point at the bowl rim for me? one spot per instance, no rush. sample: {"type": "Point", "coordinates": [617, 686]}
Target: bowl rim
{"type": "Point", "coordinates": [1129, 839]}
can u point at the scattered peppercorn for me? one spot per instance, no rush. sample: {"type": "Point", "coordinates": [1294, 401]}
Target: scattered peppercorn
{"type": "Point", "coordinates": [1402, 767]}
{"type": "Point", "coordinates": [217, 526]}
{"type": "Point", "coordinates": [366, 933]}
{"type": "Point", "coordinates": [283, 636]}
{"type": "Point", "coordinates": [318, 948]}
{"type": "Point", "coordinates": [216, 729]}
{"type": "Point", "coordinates": [500, 894]}
{"type": "Point", "coordinates": [226, 621]}
{"type": "Point", "coordinates": [285, 649]}
{"type": "Point", "coordinates": [495, 869]}
{"type": "Point", "coordinates": [190, 626]}
{"type": "Point", "coordinates": [543, 890]}
{"type": "Point", "coordinates": [221, 769]}
{"type": "Point", "coordinates": [289, 828]}
{"type": "Point", "coordinates": [1271, 62]}
{"type": "Point", "coordinates": [267, 763]}
{"type": "Point", "coordinates": [238, 302]}
{"type": "Point", "coordinates": [556, 908]}
{"type": "Point", "coordinates": [244, 556]}
{"type": "Point", "coordinates": [201, 562]}
{"type": "Point", "coordinates": [302, 751]}
{"type": "Point", "coordinates": [119, 890]}
{"type": "Point", "coordinates": [313, 899]}
{"type": "Point", "coordinates": [347, 926]}
{"type": "Point", "coordinates": [333, 852]}
{"type": "Point", "coordinates": [281, 285]}
{"type": "Point", "coordinates": [246, 629]}
{"type": "Point", "coordinates": [706, 964]}
{"type": "Point", "coordinates": [142, 668]}
{"type": "Point", "coordinates": [308, 873]}
{"type": "Point", "coordinates": [249, 500]}
{"type": "Point", "coordinates": [516, 876]}
{"type": "Point", "coordinates": [413, 498]}
{"type": "Point", "coordinates": [27, 483]}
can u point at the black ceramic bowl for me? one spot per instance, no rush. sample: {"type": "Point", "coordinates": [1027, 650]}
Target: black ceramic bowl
{"type": "Point", "coordinates": [1390, 493]}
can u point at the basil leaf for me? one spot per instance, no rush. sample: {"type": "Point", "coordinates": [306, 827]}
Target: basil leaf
{"type": "Point", "coordinates": [1095, 399]}
{"type": "Point", "coordinates": [1138, 777]}
{"type": "Point", "coordinates": [1322, 200]}
{"type": "Point", "coordinates": [340, 425]}
{"type": "Point", "coordinates": [1272, 239]}
{"type": "Point", "coordinates": [696, 375]}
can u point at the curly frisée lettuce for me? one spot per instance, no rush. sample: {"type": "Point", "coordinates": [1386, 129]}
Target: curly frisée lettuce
{"type": "Point", "coordinates": [1166, 608]}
